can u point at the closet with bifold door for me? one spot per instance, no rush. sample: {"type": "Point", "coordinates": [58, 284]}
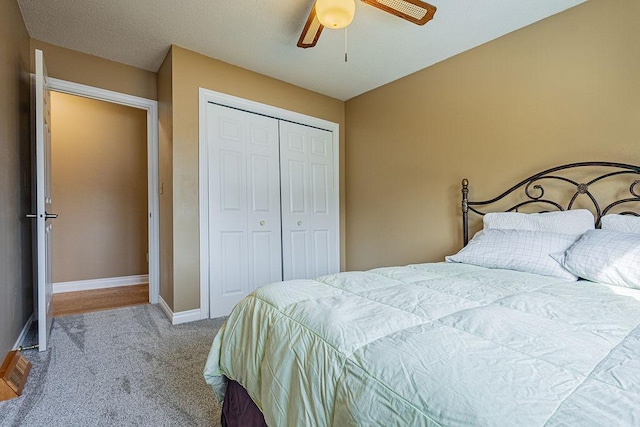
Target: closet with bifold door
{"type": "Point", "coordinates": [273, 205]}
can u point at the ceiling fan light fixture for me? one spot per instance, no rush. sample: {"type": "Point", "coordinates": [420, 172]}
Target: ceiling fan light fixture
{"type": "Point", "coordinates": [335, 14]}
{"type": "Point", "coordinates": [339, 13]}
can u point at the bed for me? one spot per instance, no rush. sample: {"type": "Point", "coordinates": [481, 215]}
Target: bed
{"type": "Point", "coordinates": [505, 332]}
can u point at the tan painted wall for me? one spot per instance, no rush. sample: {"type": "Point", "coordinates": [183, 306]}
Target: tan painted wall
{"type": "Point", "coordinates": [191, 71]}
{"type": "Point", "coordinates": [165, 177]}
{"type": "Point", "coordinates": [99, 189]}
{"type": "Point", "coordinates": [78, 67]}
{"type": "Point", "coordinates": [16, 294]}
{"type": "Point", "coordinates": [562, 90]}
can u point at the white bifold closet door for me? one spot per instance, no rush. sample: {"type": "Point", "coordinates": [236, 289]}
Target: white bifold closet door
{"type": "Point", "coordinates": [273, 205]}
{"type": "Point", "coordinates": [244, 211]}
{"type": "Point", "coordinates": [309, 205]}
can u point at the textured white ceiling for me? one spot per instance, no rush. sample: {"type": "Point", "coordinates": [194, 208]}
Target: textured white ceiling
{"type": "Point", "coordinates": [261, 35]}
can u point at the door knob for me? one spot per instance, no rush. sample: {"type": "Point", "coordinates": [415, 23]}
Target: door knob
{"type": "Point", "coordinates": [299, 223]}
{"type": "Point", "coordinates": [262, 223]}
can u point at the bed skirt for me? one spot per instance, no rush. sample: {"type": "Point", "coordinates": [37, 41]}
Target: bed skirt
{"type": "Point", "coordinates": [238, 410]}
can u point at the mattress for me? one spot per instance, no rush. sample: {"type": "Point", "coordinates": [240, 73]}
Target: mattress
{"type": "Point", "coordinates": [435, 344]}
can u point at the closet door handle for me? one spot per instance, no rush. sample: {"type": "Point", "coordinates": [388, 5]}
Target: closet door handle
{"type": "Point", "coordinates": [299, 223]}
{"type": "Point", "coordinates": [262, 223]}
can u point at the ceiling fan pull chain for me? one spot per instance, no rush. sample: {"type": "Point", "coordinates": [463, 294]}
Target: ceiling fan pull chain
{"type": "Point", "coordinates": [345, 44]}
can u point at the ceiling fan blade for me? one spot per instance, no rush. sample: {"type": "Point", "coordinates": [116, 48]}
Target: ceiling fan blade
{"type": "Point", "coordinates": [415, 11]}
{"type": "Point", "coordinates": [311, 31]}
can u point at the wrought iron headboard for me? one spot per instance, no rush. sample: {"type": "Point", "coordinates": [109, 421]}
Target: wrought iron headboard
{"type": "Point", "coordinates": [628, 179]}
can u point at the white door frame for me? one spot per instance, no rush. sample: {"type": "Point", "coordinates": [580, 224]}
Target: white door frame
{"type": "Point", "coordinates": [205, 96]}
{"type": "Point", "coordinates": [151, 108]}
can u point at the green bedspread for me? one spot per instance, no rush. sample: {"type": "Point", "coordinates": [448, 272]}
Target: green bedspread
{"type": "Point", "coordinates": [434, 344]}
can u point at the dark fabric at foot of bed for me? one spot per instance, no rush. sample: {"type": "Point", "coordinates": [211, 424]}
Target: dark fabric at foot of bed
{"type": "Point", "coordinates": [238, 410]}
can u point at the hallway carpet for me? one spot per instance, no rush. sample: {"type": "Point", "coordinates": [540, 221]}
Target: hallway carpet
{"type": "Point", "coordinates": [123, 367]}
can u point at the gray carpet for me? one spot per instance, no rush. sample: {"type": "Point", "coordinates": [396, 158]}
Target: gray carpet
{"type": "Point", "coordinates": [121, 367]}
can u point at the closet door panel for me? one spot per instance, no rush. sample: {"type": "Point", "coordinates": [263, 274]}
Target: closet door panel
{"type": "Point", "coordinates": [295, 140]}
{"type": "Point", "coordinates": [244, 210]}
{"type": "Point", "coordinates": [324, 213]}
{"type": "Point", "coordinates": [296, 181]}
{"type": "Point", "coordinates": [298, 258]}
{"type": "Point", "coordinates": [260, 172]}
{"type": "Point", "coordinates": [231, 182]}
{"type": "Point", "coordinates": [294, 165]}
{"type": "Point", "coordinates": [296, 247]}
{"type": "Point", "coordinates": [264, 200]}
{"type": "Point", "coordinates": [227, 210]}
{"type": "Point", "coordinates": [322, 251]}
{"type": "Point", "coordinates": [308, 202]}
{"type": "Point", "coordinates": [319, 189]}
{"type": "Point", "coordinates": [262, 258]}
{"type": "Point", "coordinates": [232, 270]}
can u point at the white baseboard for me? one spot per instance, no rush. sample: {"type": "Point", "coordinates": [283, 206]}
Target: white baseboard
{"type": "Point", "coordinates": [24, 332]}
{"type": "Point", "coordinates": [186, 316]}
{"type": "Point", "coordinates": [165, 307]}
{"type": "Point", "coordinates": [180, 317]}
{"type": "Point", "coordinates": [110, 282]}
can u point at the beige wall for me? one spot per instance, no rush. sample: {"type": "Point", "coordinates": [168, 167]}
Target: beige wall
{"type": "Point", "coordinates": [16, 291]}
{"type": "Point", "coordinates": [191, 71]}
{"type": "Point", "coordinates": [78, 67]}
{"type": "Point", "coordinates": [99, 189]}
{"type": "Point", "coordinates": [165, 178]}
{"type": "Point", "coordinates": [562, 90]}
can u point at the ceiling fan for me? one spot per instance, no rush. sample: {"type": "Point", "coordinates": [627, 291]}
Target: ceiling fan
{"type": "Point", "coordinates": [339, 13]}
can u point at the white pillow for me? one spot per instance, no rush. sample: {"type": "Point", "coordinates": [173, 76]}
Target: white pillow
{"type": "Point", "coordinates": [625, 223]}
{"type": "Point", "coordinates": [605, 256]}
{"type": "Point", "coordinates": [520, 250]}
{"type": "Point", "coordinates": [565, 222]}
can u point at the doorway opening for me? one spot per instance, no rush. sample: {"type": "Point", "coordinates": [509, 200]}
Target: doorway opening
{"type": "Point", "coordinates": [104, 186]}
